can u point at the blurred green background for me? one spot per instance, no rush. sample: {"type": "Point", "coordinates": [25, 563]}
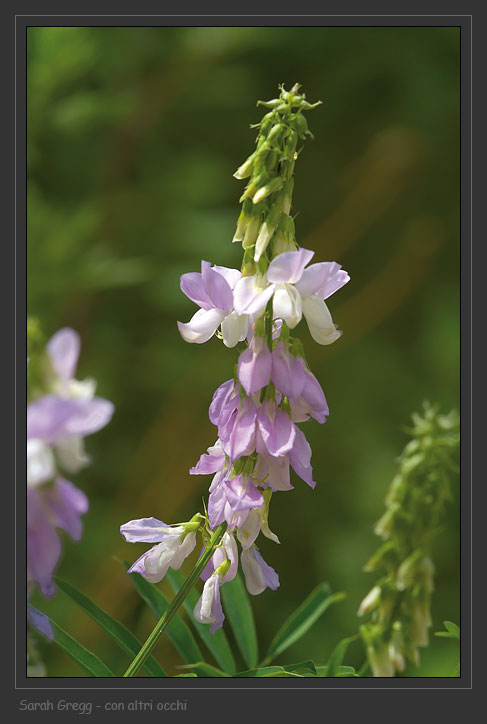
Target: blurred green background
{"type": "Point", "coordinates": [133, 137]}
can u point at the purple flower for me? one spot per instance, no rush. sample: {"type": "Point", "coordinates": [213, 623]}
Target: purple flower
{"type": "Point", "coordinates": [300, 458]}
{"type": "Point", "coordinates": [174, 545]}
{"type": "Point", "coordinates": [258, 574]}
{"type": "Point", "coordinates": [62, 423]}
{"type": "Point", "coordinates": [276, 430]}
{"type": "Point", "coordinates": [236, 430]}
{"type": "Point", "coordinates": [311, 401]}
{"type": "Point", "coordinates": [211, 462]}
{"type": "Point", "coordinates": [39, 621]}
{"type": "Point", "coordinates": [230, 500]}
{"type": "Point", "coordinates": [209, 607]}
{"type": "Point", "coordinates": [295, 291]}
{"type": "Point", "coordinates": [227, 551]}
{"type": "Point", "coordinates": [212, 291]}
{"type": "Point", "coordinates": [255, 522]}
{"type": "Point", "coordinates": [49, 507]}
{"type": "Point", "coordinates": [273, 471]}
{"type": "Point", "coordinates": [255, 366]}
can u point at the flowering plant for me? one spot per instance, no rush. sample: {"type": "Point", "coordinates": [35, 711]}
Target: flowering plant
{"type": "Point", "coordinates": [256, 413]}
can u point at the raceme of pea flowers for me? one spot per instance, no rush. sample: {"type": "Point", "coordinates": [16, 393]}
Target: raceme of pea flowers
{"type": "Point", "coordinates": [260, 416]}
{"type": "Point", "coordinates": [62, 411]}
{"type": "Point", "coordinates": [256, 413]}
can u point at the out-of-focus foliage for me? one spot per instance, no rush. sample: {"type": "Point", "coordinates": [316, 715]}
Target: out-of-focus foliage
{"type": "Point", "coordinates": [133, 137]}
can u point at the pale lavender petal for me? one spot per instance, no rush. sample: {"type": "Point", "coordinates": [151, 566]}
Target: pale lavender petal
{"type": "Point", "coordinates": [277, 429]}
{"type": "Point", "coordinates": [334, 280]}
{"type": "Point", "coordinates": [251, 295]}
{"type": "Point", "coordinates": [238, 437]}
{"type": "Point", "coordinates": [287, 373]}
{"type": "Point", "coordinates": [139, 567]}
{"type": "Point", "coordinates": [145, 530]}
{"type": "Point", "coordinates": [216, 506]}
{"type": "Point", "coordinates": [202, 325]}
{"type": "Point", "coordinates": [40, 622]}
{"type": "Point", "coordinates": [288, 267]}
{"type": "Point", "coordinates": [258, 574]}
{"type": "Point", "coordinates": [242, 494]}
{"type": "Point", "coordinates": [315, 397]}
{"type": "Point", "coordinates": [255, 366]}
{"type": "Point", "coordinates": [221, 396]}
{"type": "Point", "coordinates": [192, 285]}
{"type": "Point", "coordinates": [218, 290]}
{"type": "Point", "coordinates": [208, 608]}
{"type": "Point", "coordinates": [208, 464]}
{"type": "Point", "coordinates": [248, 532]}
{"type": "Point", "coordinates": [63, 348]}
{"type": "Point", "coordinates": [275, 471]}
{"type": "Point", "coordinates": [92, 415]}
{"type": "Point", "coordinates": [230, 275]}
{"type": "Point", "coordinates": [313, 278]}
{"type": "Point", "coordinates": [67, 504]}
{"type": "Point", "coordinates": [300, 458]}
{"type": "Point", "coordinates": [217, 611]}
{"type": "Point", "coordinates": [184, 550]}
{"type": "Point", "coordinates": [47, 417]}
{"type": "Point", "coordinates": [43, 544]}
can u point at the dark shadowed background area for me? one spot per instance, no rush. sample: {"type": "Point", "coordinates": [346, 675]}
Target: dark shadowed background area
{"type": "Point", "coordinates": [133, 137]}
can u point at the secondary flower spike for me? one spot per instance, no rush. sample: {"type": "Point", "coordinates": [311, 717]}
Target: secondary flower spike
{"type": "Point", "coordinates": [256, 413]}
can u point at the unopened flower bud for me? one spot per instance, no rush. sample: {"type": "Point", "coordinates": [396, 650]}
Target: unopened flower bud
{"type": "Point", "coordinates": [251, 232]}
{"type": "Point", "coordinates": [246, 168]}
{"type": "Point", "coordinates": [275, 134]}
{"type": "Point", "coordinates": [255, 184]}
{"type": "Point", "coordinates": [370, 601]}
{"type": "Point", "coordinates": [290, 144]}
{"type": "Point", "coordinates": [300, 125]}
{"type": "Point", "coordinates": [266, 231]}
{"type": "Point", "coordinates": [243, 220]}
{"type": "Point", "coordinates": [274, 185]}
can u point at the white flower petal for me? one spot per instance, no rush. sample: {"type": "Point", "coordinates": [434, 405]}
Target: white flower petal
{"type": "Point", "coordinates": [251, 294]}
{"type": "Point", "coordinates": [287, 305]}
{"type": "Point", "coordinates": [234, 328]}
{"type": "Point", "coordinates": [320, 323]}
{"type": "Point", "coordinates": [40, 462]}
{"type": "Point", "coordinates": [201, 326]}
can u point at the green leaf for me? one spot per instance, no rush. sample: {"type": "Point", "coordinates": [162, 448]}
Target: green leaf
{"type": "Point", "coordinates": [302, 619]}
{"type": "Point", "coordinates": [259, 672]}
{"type": "Point", "coordinates": [217, 643]}
{"type": "Point", "coordinates": [342, 671]}
{"type": "Point", "coordinates": [85, 658]}
{"type": "Point", "coordinates": [178, 632]}
{"type": "Point", "coordinates": [302, 667]}
{"type": "Point", "coordinates": [452, 628]}
{"type": "Point", "coordinates": [239, 611]}
{"type": "Point", "coordinates": [452, 632]}
{"type": "Point", "coordinates": [201, 668]}
{"type": "Point", "coordinates": [118, 632]}
{"type": "Point", "coordinates": [337, 655]}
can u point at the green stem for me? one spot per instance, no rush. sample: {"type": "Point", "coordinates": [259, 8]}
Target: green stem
{"type": "Point", "coordinates": [364, 668]}
{"type": "Point", "coordinates": [166, 618]}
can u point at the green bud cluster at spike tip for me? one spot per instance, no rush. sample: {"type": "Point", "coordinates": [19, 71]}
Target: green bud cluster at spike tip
{"type": "Point", "coordinates": [400, 601]}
